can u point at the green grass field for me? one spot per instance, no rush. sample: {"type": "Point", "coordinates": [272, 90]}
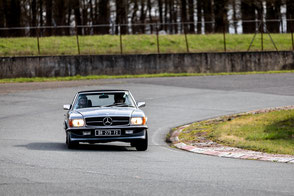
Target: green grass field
{"type": "Point", "coordinates": [139, 44]}
{"type": "Point", "coordinates": [270, 132]}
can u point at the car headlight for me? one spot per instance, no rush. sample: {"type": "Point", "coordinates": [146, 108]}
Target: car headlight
{"type": "Point", "coordinates": [76, 122]}
{"type": "Point", "coordinates": [138, 121]}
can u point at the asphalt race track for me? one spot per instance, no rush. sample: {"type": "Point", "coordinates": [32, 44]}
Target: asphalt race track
{"type": "Point", "coordinates": [34, 159]}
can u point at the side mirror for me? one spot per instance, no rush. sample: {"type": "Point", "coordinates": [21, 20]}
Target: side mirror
{"type": "Point", "coordinates": [66, 107]}
{"type": "Point", "coordinates": [141, 104]}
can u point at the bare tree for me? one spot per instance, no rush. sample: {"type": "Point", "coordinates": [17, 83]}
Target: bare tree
{"type": "Point", "coordinates": [59, 15]}
{"type": "Point", "coordinates": [208, 15]}
{"type": "Point", "coordinates": [220, 15]}
{"type": "Point", "coordinates": [184, 13]}
{"type": "Point", "coordinates": [149, 7]}
{"type": "Point", "coordinates": [199, 15]}
{"type": "Point", "coordinates": [41, 14]}
{"type": "Point", "coordinates": [171, 15]}
{"type": "Point", "coordinates": [121, 15]}
{"type": "Point", "coordinates": [290, 15]}
{"type": "Point", "coordinates": [142, 15]}
{"type": "Point", "coordinates": [234, 7]}
{"type": "Point", "coordinates": [191, 16]}
{"type": "Point", "coordinates": [134, 16]}
{"type": "Point", "coordinates": [273, 11]}
{"type": "Point", "coordinates": [48, 16]}
{"type": "Point", "coordinates": [34, 17]}
{"type": "Point", "coordinates": [104, 14]}
{"type": "Point", "coordinates": [77, 14]}
{"type": "Point", "coordinates": [2, 18]}
{"type": "Point", "coordinates": [248, 9]}
{"type": "Point", "coordinates": [175, 16]}
{"type": "Point", "coordinates": [160, 10]}
{"type": "Point", "coordinates": [211, 15]}
{"type": "Point", "coordinates": [68, 17]}
{"type": "Point", "coordinates": [166, 11]}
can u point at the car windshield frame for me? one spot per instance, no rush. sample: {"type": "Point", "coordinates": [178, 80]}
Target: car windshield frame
{"type": "Point", "coordinates": [109, 100]}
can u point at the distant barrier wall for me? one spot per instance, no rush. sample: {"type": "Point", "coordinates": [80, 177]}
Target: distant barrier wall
{"type": "Point", "coordinates": [51, 66]}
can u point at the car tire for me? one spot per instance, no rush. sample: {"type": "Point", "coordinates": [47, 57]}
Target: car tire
{"type": "Point", "coordinates": [142, 145]}
{"type": "Point", "coordinates": [70, 144]}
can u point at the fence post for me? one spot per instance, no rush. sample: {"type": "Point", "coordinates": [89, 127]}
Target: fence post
{"type": "Point", "coordinates": [186, 39]}
{"type": "Point", "coordinates": [272, 41]}
{"type": "Point", "coordinates": [120, 40]}
{"type": "Point", "coordinates": [261, 32]}
{"type": "Point", "coordinates": [38, 41]}
{"type": "Point", "coordinates": [157, 39]}
{"type": "Point", "coordinates": [78, 43]}
{"type": "Point", "coordinates": [291, 22]}
{"type": "Point", "coordinates": [225, 41]}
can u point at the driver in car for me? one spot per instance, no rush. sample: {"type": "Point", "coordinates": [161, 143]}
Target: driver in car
{"type": "Point", "coordinates": [119, 99]}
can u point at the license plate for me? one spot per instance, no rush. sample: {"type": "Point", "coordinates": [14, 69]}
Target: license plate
{"type": "Point", "coordinates": [107, 132]}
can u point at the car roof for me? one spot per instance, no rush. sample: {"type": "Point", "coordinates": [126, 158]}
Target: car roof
{"type": "Point", "coordinates": [99, 91]}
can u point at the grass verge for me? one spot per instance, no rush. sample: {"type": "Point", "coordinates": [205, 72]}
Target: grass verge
{"type": "Point", "coordinates": [270, 132]}
{"type": "Point", "coordinates": [139, 44]}
{"type": "Point", "coordinates": [97, 77]}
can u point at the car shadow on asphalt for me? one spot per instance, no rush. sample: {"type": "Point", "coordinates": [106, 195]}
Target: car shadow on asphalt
{"type": "Point", "coordinates": [51, 146]}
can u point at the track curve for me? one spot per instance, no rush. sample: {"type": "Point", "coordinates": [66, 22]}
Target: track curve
{"type": "Point", "coordinates": [35, 161]}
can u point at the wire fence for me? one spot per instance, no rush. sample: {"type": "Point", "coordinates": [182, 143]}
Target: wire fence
{"type": "Point", "coordinates": [157, 38]}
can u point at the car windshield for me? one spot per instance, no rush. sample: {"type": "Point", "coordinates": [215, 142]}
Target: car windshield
{"type": "Point", "coordinates": [109, 99]}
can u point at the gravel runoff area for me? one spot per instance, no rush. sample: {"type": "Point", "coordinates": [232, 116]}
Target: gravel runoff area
{"type": "Point", "coordinates": [209, 147]}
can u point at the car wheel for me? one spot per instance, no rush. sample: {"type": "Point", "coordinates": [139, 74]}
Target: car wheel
{"type": "Point", "coordinates": [142, 145]}
{"type": "Point", "coordinates": [70, 144]}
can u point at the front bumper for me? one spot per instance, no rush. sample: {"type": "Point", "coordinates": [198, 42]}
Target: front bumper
{"type": "Point", "coordinates": [76, 135]}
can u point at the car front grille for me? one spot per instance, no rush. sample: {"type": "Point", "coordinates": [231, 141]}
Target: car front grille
{"type": "Point", "coordinates": [98, 121]}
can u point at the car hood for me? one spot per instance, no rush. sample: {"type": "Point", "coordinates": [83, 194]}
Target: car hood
{"type": "Point", "coordinates": [109, 111]}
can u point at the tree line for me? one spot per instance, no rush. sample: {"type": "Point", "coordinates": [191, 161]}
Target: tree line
{"type": "Point", "coordinates": [135, 16]}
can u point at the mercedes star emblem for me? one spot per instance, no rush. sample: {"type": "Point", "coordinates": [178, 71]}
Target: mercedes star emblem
{"type": "Point", "coordinates": [107, 121]}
